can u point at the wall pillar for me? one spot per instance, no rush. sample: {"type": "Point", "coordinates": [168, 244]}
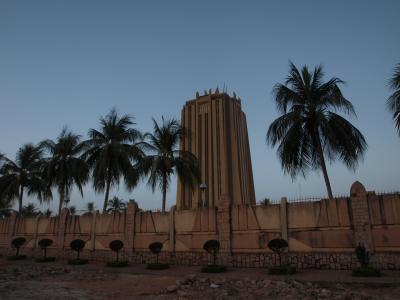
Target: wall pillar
{"type": "Point", "coordinates": [130, 226]}
{"type": "Point", "coordinates": [93, 232]}
{"type": "Point", "coordinates": [172, 229]}
{"type": "Point", "coordinates": [35, 233]}
{"type": "Point", "coordinates": [224, 223]}
{"type": "Point", "coordinates": [361, 219]}
{"type": "Point", "coordinates": [11, 231]}
{"type": "Point", "coordinates": [62, 224]}
{"type": "Point", "coordinates": [284, 223]}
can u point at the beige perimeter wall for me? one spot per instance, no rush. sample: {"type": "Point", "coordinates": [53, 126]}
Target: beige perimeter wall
{"type": "Point", "coordinates": [324, 226]}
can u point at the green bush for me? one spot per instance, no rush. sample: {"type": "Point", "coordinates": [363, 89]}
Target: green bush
{"type": "Point", "coordinates": [366, 272]}
{"type": "Point", "coordinates": [77, 245]}
{"type": "Point", "coordinates": [17, 244]}
{"type": "Point", "coordinates": [362, 256]}
{"type": "Point", "coordinates": [117, 264]}
{"type": "Point", "coordinates": [45, 259]}
{"type": "Point", "coordinates": [44, 244]}
{"type": "Point", "coordinates": [16, 257]}
{"type": "Point", "coordinates": [282, 270]}
{"type": "Point", "coordinates": [157, 266]}
{"type": "Point", "coordinates": [278, 246]}
{"type": "Point", "coordinates": [213, 269]}
{"type": "Point", "coordinates": [116, 246]}
{"type": "Point", "coordinates": [78, 261]}
{"type": "Point", "coordinates": [156, 248]}
{"type": "Point", "coordinates": [212, 247]}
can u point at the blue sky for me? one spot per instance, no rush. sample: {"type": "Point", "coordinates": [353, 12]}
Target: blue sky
{"type": "Point", "coordinates": [69, 62]}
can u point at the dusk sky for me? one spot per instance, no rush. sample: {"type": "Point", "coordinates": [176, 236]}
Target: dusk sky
{"type": "Point", "coordinates": [70, 62]}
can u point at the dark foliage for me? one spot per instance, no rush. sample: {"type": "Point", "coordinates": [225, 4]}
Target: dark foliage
{"type": "Point", "coordinates": [362, 256]}
{"type": "Point", "coordinates": [393, 103]}
{"type": "Point", "coordinates": [44, 244]}
{"type": "Point", "coordinates": [166, 159]}
{"type": "Point", "coordinates": [366, 272]}
{"type": "Point", "coordinates": [117, 264]}
{"type": "Point", "coordinates": [17, 243]}
{"type": "Point", "coordinates": [157, 266]}
{"type": "Point", "coordinates": [212, 247]}
{"type": "Point", "coordinates": [113, 152]}
{"type": "Point", "coordinates": [278, 246]}
{"type": "Point", "coordinates": [78, 261]}
{"type": "Point", "coordinates": [116, 246]}
{"type": "Point", "coordinates": [284, 270]}
{"type": "Point", "coordinates": [156, 248]}
{"type": "Point", "coordinates": [77, 245]}
{"type": "Point", "coordinates": [213, 269]}
{"type": "Point", "coordinates": [310, 127]}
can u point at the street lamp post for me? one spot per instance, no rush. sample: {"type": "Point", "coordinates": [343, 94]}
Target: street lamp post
{"type": "Point", "coordinates": [203, 188]}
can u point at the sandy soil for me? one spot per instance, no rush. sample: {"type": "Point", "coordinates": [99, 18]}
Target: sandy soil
{"type": "Point", "coordinates": [30, 280]}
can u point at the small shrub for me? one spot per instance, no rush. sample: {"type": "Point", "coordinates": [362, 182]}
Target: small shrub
{"type": "Point", "coordinates": [16, 257]}
{"type": "Point", "coordinates": [212, 247]}
{"type": "Point", "coordinates": [44, 244]}
{"type": "Point", "coordinates": [45, 259]}
{"type": "Point", "coordinates": [265, 201]}
{"type": "Point", "coordinates": [213, 269]}
{"type": "Point", "coordinates": [117, 264]}
{"type": "Point", "coordinates": [77, 245]}
{"type": "Point", "coordinates": [363, 258]}
{"type": "Point", "coordinates": [366, 272]}
{"type": "Point", "coordinates": [17, 244]}
{"type": "Point", "coordinates": [78, 261]}
{"type": "Point", "coordinates": [282, 270]}
{"type": "Point", "coordinates": [156, 248]}
{"type": "Point", "coordinates": [278, 246]}
{"type": "Point", "coordinates": [116, 246]}
{"type": "Point", "coordinates": [157, 266]}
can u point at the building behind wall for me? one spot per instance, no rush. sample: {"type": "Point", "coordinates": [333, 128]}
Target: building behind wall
{"type": "Point", "coordinates": [218, 137]}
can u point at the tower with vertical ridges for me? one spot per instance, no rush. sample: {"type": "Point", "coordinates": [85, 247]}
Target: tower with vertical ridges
{"type": "Point", "coordinates": [218, 138]}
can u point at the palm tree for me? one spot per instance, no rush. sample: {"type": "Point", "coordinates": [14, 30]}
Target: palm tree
{"type": "Point", "coordinates": [64, 168]}
{"type": "Point", "coordinates": [5, 208]}
{"type": "Point", "coordinates": [112, 152]}
{"type": "Point", "coordinates": [89, 209]}
{"type": "Point", "coordinates": [309, 128]}
{"type": "Point", "coordinates": [393, 102]}
{"type": "Point", "coordinates": [23, 174]}
{"type": "Point", "coordinates": [72, 210]}
{"type": "Point", "coordinates": [47, 213]}
{"type": "Point", "coordinates": [116, 205]}
{"type": "Point", "coordinates": [30, 210]}
{"type": "Point", "coordinates": [166, 159]}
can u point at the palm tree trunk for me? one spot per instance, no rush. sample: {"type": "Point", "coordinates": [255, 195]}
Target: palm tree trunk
{"type": "Point", "coordinates": [61, 202]}
{"type": "Point", "coordinates": [21, 194]}
{"type": "Point", "coordinates": [164, 192]}
{"type": "Point", "coordinates": [323, 167]}
{"type": "Point", "coordinates": [107, 191]}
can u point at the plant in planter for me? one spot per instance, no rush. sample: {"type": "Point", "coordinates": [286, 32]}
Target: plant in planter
{"type": "Point", "coordinates": [156, 248]}
{"type": "Point", "coordinates": [44, 244]}
{"type": "Point", "coordinates": [212, 247]}
{"type": "Point", "coordinates": [116, 246]}
{"type": "Point", "coordinates": [77, 245]}
{"type": "Point", "coordinates": [278, 246]}
{"type": "Point", "coordinates": [17, 244]}
{"type": "Point", "coordinates": [364, 270]}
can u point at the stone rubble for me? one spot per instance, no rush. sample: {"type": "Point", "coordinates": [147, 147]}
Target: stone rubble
{"type": "Point", "coordinates": [194, 287]}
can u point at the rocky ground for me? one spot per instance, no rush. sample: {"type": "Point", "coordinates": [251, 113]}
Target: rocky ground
{"type": "Point", "coordinates": [30, 280]}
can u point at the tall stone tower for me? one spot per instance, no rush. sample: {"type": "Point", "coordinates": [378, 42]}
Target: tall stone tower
{"type": "Point", "coordinates": [218, 137]}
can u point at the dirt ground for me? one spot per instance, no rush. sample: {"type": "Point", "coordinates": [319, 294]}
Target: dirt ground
{"type": "Point", "coordinates": [57, 280]}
